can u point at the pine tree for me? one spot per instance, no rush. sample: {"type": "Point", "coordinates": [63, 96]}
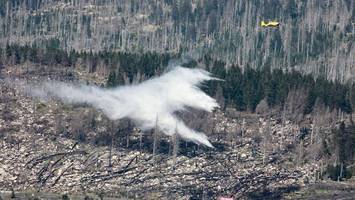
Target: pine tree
{"type": "Point", "coordinates": [112, 79]}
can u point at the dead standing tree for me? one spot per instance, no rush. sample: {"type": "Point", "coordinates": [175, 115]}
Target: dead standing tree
{"type": "Point", "coordinates": [113, 131]}
{"type": "Point", "coordinates": [128, 134]}
{"type": "Point", "coordinates": [266, 141]}
{"type": "Point", "coordinates": [59, 127]}
{"type": "Point", "coordinates": [155, 137]}
{"type": "Point", "coordinates": [243, 130]}
{"type": "Point", "coordinates": [175, 144]}
{"type": "Point", "coordinates": [321, 118]}
{"type": "Point", "coordinates": [140, 139]}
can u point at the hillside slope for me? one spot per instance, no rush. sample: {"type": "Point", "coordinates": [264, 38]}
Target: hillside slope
{"type": "Point", "coordinates": [315, 36]}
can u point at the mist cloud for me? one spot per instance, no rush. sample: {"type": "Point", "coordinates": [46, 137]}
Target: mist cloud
{"type": "Point", "coordinates": [161, 97]}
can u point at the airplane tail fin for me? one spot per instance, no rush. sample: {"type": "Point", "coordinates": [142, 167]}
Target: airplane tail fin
{"type": "Point", "coordinates": [263, 23]}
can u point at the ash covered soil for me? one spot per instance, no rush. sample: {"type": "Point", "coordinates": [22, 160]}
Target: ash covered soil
{"type": "Point", "coordinates": [51, 148]}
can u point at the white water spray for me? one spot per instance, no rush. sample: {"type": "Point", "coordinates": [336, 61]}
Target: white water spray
{"type": "Point", "coordinates": [174, 91]}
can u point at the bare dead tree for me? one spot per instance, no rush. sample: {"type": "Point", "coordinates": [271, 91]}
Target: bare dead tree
{"type": "Point", "coordinates": [140, 139]}
{"type": "Point", "coordinates": [155, 136]}
{"type": "Point", "coordinates": [34, 107]}
{"type": "Point", "coordinates": [211, 29]}
{"type": "Point", "coordinates": [58, 123]}
{"type": "Point", "coordinates": [128, 134]}
{"type": "Point", "coordinates": [321, 118]}
{"type": "Point", "coordinates": [175, 141]}
{"type": "Point", "coordinates": [112, 132]}
{"type": "Point", "coordinates": [266, 141]}
{"type": "Point", "coordinates": [300, 152]}
{"type": "Point", "coordinates": [77, 124]}
{"type": "Point", "coordinates": [341, 171]}
{"type": "Point", "coordinates": [351, 98]}
{"type": "Point", "coordinates": [295, 104]}
{"type": "Point", "coordinates": [219, 96]}
{"type": "Point", "coordinates": [243, 129]}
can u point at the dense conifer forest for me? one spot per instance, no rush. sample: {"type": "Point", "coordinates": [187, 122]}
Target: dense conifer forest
{"type": "Point", "coordinates": [241, 89]}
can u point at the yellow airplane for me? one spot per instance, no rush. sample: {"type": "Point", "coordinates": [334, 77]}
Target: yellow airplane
{"type": "Point", "coordinates": [270, 24]}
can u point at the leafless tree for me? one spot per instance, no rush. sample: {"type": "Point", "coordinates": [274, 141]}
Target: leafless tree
{"type": "Point", "coordinates": [113, 130]}
{"type": "Point", "coordinates": [243, 129]}
{"type": "Point", "coordinates": [58, 123]}
{"type": "Point", "coordinates": [295, 105]}
{"type": "Point", "coordinates": [219, 96]}
{"type": "Point", "coordinates": [155, 136]}
{"type": "Point", "coordinates": [157, 30]}
{"type": "Point", "coordinates": [140, 139]}
{"type": "Point", "coordinates": [128, 134]}
{"type": "Point", "coordinates": [262, 107]}
{"type": "Point", "coordinates": [267, 142]}
{"type": "Point", "coordinates": [300, 152]}
{"type": "Point", "coordinates": [322, 119]}
{"type": "Point", "coordinates": [77, 125]}
{"type": "Point", "coordinates": [175, 145]}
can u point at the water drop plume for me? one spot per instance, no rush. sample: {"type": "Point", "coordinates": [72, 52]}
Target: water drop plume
{"type": "Point", "coordinates": [176, 90]}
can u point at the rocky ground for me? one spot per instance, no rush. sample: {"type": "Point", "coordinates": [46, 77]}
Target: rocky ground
{"type": "Point", "coordinates": [256, 161]}
{"type": "Point", "coordinates": [325, 190]}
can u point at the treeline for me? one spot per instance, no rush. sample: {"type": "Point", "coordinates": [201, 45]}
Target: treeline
{"type": "Point", "coordinates": [121, 66]}
{"type": "Point", "coordinates": [343, 148]}
{"type": "Point", "coordinates": [241, 89]}
{"type": "Point", "coordinates": [245, 89]}
{"type": "Point", "coordinates": [49, 55]}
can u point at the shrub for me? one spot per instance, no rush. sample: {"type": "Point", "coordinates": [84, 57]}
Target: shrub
{"type": "Point", "coordinates": [65, 197]}
{"type": "Point", "coordinates": [333, 172]}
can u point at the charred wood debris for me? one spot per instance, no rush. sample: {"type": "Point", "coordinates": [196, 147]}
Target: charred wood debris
{"type": "Point", "coordinates": [40, 152]}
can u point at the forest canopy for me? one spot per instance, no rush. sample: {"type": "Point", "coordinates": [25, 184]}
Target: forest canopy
{"type": "Point", "coordinates": [242, 89]}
